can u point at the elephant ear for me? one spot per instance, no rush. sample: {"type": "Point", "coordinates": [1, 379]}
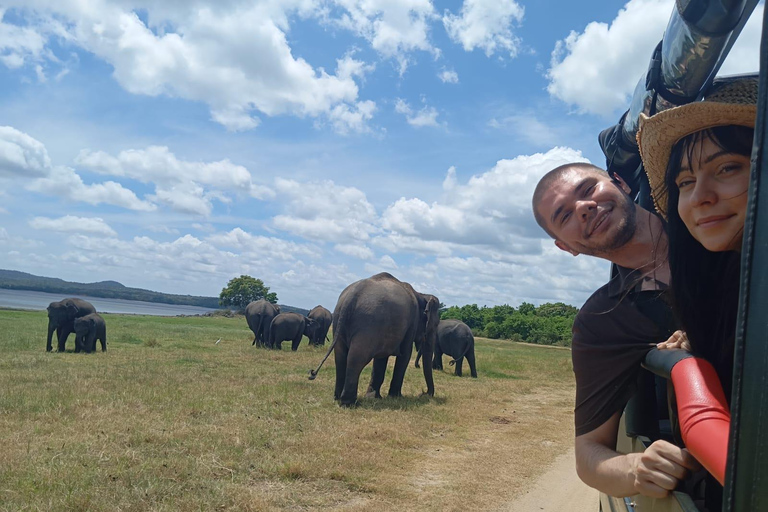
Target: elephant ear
{"type": "Point", "coordinates": [72, 309]}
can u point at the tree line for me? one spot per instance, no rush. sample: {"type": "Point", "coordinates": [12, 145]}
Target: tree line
{"type": "Point", "coordinates": [548, 324]}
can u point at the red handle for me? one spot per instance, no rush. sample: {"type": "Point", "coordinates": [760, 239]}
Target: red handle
{"type": "Point", "coordinates": [703, 413]}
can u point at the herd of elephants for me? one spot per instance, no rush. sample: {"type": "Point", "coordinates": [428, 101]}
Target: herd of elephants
{"type": "Point", "coordinates": [374, 318]}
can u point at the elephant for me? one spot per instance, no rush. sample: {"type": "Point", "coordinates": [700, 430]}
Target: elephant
{"type": "Point", "coordinates": [323, 319]}
{"type": "Point", "coordinates": [61, 318]}
{"type": "Point", "coordinates": [454, 338]}
{"type": "Point", "coordinates": [289, 326]}
{"type": "Point", "coordinates": [375, 318]}
{"type": "Point", "coordinates": [259, 315]}
{"type": "Point", "coordinates": [88, 329]}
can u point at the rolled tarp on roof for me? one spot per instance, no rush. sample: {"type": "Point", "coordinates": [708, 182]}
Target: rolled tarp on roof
{"type": "Point", "coordinates": [697, 39]}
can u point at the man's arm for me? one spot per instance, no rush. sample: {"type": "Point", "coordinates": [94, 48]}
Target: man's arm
{"type": "Point", "coordinates": [653, 473]}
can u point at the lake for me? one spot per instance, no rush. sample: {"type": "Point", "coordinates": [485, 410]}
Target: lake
{"type": "Point", "coordinates": [25, 299]}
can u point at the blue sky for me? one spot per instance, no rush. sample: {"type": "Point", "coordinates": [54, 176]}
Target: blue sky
{"type": "Point", "coordinates": [173, 145]}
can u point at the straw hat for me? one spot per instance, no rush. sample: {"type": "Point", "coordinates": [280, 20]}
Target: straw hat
{"type": "Point", "coordinates": [731, 101]}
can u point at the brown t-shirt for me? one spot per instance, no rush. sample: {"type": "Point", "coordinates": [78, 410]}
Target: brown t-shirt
{"type": "Point", "coordinates": [612, 332]}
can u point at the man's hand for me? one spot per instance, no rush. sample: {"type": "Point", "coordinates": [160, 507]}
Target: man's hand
{"type": "Point", "coordinates": [660, 467]}
{"type": "Point", "coordinates": [678, 340]}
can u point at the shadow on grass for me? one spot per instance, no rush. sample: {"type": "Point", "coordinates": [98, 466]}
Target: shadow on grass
{"type": "Point", "coordinates": [399, 403]}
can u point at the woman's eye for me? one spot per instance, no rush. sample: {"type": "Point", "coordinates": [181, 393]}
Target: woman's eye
{"type": "Point", "coordinates": [565, 218]}
{"type": "Point", "coordinates": [684, 183]}
{"type": "Point", "coordinates": [726, 169]}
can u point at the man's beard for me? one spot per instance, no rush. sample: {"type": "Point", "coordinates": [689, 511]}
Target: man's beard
{"type": "Point", "coordinates": [624, 230]}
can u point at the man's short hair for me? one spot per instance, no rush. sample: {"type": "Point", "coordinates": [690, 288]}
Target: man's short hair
{"type": "Point", "coordinates": [551, 178]}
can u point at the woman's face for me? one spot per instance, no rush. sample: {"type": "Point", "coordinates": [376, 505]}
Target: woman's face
{"type": "Point", "coordinates": [713, 195]}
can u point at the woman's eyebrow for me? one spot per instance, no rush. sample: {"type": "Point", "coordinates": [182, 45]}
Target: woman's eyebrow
{"type": "Point", "coordinates": [716, 155]}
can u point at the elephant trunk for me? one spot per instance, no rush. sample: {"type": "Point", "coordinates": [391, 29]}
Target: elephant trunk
{"type": "Point", "coordinates": [51, 328]}
{"type": "Point", "coordinates": [426, 353]}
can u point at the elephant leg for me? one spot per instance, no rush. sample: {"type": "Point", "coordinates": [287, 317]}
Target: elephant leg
{"type": "Point", "coordinates": [459, 362]}
{"type": "Point", "coordinates": [61, 338]}
{"type": "Point", "coordinates": [355, 365]}
{"type": "Point", "coordinates": [103, 343]}
{"type": "Point", "coordinates": [437, 362]}
{"type": "Point", "coordinates": [377, 377]}
{"type": "Point", "coordinates": [401, 364]}
{"type": "Point", "coordinates": [296, 342]}
{"type": "Point", "coordinates": [91, 343]}
{"type": "Point", "coordinates": [471, 361]}
{"type": "Point", "coordinates": [340, 357]}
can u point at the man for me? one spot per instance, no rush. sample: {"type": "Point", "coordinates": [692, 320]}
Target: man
{"type": "Point", "coordinates": [588, 212]}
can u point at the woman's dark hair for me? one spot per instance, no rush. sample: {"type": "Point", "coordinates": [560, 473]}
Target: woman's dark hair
{"type": "Point", "coordinates": [704, 285]}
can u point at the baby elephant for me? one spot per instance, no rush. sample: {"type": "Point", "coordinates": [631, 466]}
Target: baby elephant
{"type": "Point", "coordinates": [88, 329]}
{"type": "Point", "coordinates": [289, 326]}
{"type": "Point", "coordinates": [455, 339]}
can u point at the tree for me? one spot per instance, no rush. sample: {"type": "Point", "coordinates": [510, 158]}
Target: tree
{"type": "Point", "coordinates": [244, 289]}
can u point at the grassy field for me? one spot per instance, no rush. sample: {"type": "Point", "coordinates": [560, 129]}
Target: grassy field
{"type": "Point", "coordinates": [168, 420]}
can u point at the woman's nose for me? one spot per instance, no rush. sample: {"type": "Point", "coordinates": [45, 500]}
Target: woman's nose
{"type": "Point", "coordinates": [703, 193]}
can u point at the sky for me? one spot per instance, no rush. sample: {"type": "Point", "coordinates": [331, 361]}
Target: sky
{"type": "Point", "coordinates": [173, 145]}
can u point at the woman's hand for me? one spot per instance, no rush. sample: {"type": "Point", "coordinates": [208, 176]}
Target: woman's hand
{"type": "Point", "coordinates": [678, 340]}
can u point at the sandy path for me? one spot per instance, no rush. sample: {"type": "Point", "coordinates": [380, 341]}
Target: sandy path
{"type": "Point", "coordinates": [556, 490]}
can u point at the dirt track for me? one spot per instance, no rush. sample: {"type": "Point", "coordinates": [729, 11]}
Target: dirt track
{"type": "Point", "coordinates": [556, 490]}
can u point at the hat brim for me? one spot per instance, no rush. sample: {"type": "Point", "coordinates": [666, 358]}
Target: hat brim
{"type": "Point", "coordinates": [658, 134]}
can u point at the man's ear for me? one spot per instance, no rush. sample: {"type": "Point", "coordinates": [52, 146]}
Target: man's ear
{"type": "Point", "coordinates": [563, 247]}
{"type": "Point", "coordinates": [621, 183]}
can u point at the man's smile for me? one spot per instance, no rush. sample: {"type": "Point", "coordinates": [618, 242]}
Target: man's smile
{"type": "Point", "coordinates": [598, 222]}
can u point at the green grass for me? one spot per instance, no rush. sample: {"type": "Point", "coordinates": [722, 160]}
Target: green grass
{"type": "Point", "coordinates": [168, 420]}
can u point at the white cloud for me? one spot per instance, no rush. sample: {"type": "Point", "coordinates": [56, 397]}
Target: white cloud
{"type": "Point", "coordinates": [72, 224]}
{"type": "Point", "coordinates": [557, 276]}
{"type": "Point", "coordinates": [486, 24]}
{"type": "Point", "coordinates": [190, 50]}
{"type": "Point", "coordinates": [18, 45]}
{"type": "Point", "coordinates": [258, 247]}
{"type": "Point", "coordinates": [394, 28]}
{"type": "Point", "coordinates": [597, 70]}
{"type": "Point", "coordinates": [187, 187]}
{"type": "Point", "coordinates": [22, 156]}
{"type": "Point", "coordinates": [491, 211]}
{"type": "Point", "coordinates": [324, 211]}
{"type": "Point", "coordinates": [449, 76]}
{"type": "Point", "coordinates": [427, 116]}
{"type": "Point", "coordinates": [358, 251]}
{"type": "Point", "coordinates": [65, 182]}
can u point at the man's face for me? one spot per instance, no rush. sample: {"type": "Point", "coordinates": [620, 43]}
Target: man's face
{"type": "Point", "coordinates": [588, 213]}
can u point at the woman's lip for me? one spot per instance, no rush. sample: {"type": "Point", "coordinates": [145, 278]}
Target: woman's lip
{"type": "Point", "coordinates": [713, 220]}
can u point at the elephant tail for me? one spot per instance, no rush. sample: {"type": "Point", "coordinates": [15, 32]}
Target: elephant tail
{"type": "Point", "coordinates": [313, 373]}
{"type": "Point", "coordinates": [454, 361]}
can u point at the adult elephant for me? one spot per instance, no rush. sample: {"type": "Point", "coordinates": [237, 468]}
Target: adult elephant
{"type": "Point", "coordinates": [259, 315]}
{"type": "Point", "coordinates": [289, 326]}
{"type": "Point", "coordinates": [454, 338]}
{"type": "Point", "coordinates": [323, 319]}
{"type": "Point", "coordinates": [61, 318]}
{"type": "Point", "coordinates": [88, 329]}
{"type": "Point", "coordinates": [375, 318]}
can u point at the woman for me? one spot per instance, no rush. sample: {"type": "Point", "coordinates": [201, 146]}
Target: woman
{"type": "Point", "coordinates": [697, 158]}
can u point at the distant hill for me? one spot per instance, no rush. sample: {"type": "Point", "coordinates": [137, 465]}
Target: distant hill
{"type": "Point", "coordinates": [14, 280]}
